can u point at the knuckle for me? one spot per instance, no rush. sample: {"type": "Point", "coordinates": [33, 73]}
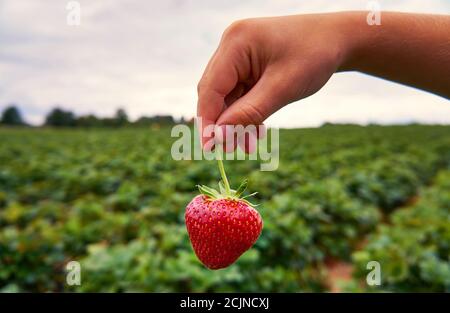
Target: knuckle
{"type": "Point", "coordinates": [238, 29]}
{"type": "Point", "coordinates": [201, 86]}
{"type": "Point", "coordinates": [253, 115]}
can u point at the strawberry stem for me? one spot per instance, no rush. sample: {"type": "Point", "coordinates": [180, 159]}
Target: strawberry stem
{"type": "Point", "coordinates": [225, 191]}
{"type": "Point", "coordinates": [223, 175]}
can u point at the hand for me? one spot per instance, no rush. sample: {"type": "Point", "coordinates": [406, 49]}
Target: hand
{"type": "Point", "coordinates": [265, 63]}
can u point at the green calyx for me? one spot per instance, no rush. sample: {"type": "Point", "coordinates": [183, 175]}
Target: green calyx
{"type": "Point", "coordinates": [225, 191]}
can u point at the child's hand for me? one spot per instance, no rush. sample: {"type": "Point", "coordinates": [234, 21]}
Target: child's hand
{"type": "Point", "coordinates": [263, 64]}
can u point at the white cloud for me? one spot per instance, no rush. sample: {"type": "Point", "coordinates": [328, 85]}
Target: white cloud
{"type": "Point", "coordinates": [147, 57]}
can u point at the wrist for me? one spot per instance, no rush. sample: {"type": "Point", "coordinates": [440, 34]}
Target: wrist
{"type": "Point", "coordinates": [354, 35]}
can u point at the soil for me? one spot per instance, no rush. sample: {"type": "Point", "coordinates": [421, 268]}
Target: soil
{"type": "Point", "coordinates": [338, 271]}
{"type": "Point", "coordinates": [341, 271]}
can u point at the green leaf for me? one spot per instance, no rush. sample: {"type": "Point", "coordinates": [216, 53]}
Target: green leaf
{"type": "Point", "coordinates": [250, 195]}
{"type": "Point", "coordinates": [242, 188]}
{"type": "Point", "coordinates": [222, 188]}
{"type": "Point", "coordinates": [208, 191]}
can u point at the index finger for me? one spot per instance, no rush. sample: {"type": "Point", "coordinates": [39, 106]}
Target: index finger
{"type": "Point", "coordinates": [218, 80]}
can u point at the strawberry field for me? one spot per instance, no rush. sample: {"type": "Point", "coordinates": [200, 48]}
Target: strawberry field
{"type": "Point", "coordinates": [114, 200]}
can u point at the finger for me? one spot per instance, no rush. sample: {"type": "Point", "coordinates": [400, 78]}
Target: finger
{"type": "Point", "coordinates": [262, 131]}
{"type": "Point", "coordinates": [266, 97]}
{"type": "Point", "coordinates": [248, 142]}
{"type": "Point", "coordinates": [217, 82]}
{"type": "Point", "coordinates": [235, 94]}
{"type": "Point", "coordinates": [226, 137]}
{"type": "Point", "coordinates": [269, 94]}
{"type": "Point", "coordinates": [230, 136]}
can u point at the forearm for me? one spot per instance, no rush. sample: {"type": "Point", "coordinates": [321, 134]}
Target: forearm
{"type": "Point", "coordinates": [412, 49]}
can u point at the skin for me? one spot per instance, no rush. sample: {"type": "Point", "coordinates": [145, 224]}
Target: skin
{"type": "Point", "coordinates": [263, 64]}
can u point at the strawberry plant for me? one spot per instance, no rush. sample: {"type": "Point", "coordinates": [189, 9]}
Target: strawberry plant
{"type": "Point", "coordinates": [415, 250]}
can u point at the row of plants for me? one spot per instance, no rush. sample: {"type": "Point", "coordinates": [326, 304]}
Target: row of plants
{"type": "Point", "coordinates": [114, 200]}
{"type": "Point", "coordinates": [414, 248]}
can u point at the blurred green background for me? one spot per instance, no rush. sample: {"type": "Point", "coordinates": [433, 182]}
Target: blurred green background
{"type": "Point", "coordinates": [114, 200]}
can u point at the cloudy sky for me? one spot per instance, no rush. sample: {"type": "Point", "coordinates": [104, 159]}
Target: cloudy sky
{"type": "Point", "coordinates": [147, 57]}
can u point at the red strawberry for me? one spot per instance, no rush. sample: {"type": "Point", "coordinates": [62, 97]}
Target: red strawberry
{"type": "Point", "coordinates": [221, 230]}
{"type": "Point", "coordinates": [221, 225]}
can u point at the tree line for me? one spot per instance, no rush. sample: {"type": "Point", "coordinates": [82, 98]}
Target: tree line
{"type": "Point", "coordinates": [58, 117]}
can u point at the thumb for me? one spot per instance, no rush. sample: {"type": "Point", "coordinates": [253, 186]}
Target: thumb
{"type": "Point", "coordinates": [266, 97]}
